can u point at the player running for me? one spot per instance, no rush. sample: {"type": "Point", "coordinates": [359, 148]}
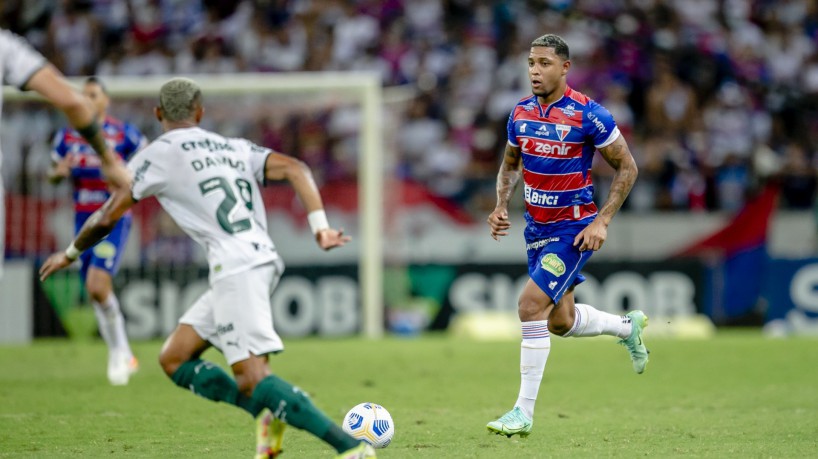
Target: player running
{"type": "Point", "coordinates": [209, 186]}
{"type": "Point", "coordinates": [552, 136]}
{"type": "Point", "coordinates": [73, 157]}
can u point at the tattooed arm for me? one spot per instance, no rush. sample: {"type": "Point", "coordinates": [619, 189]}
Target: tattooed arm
{"type": "Point", "coordinates": [98, 225]}
{"type": "Point", "coordinates": [507, 180]}
{"type": "Point", "coordinates": [618, 155]}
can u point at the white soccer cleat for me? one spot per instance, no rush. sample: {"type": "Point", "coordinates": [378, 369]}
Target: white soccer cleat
{"type": "Point", "coordinates": [515, 422]}
{"type": "Point", "coordinates": [121, 366]}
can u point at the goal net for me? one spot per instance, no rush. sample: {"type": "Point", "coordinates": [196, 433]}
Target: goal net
{"type": "Point", "coordinates": [340, 124]}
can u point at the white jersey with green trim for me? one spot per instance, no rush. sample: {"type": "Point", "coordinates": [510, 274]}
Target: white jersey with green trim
{"type": "Point", "coordinates": [209, 186]}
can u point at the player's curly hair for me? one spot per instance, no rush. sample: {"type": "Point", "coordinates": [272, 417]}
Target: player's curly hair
{"type": "Point", "coordinates": [553, 41]}
{"type": "Point", "coordinates": [178, 99]}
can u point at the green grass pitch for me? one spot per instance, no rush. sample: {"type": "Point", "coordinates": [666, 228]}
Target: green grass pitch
{"type": "Point", "coordinates": [738, 395]}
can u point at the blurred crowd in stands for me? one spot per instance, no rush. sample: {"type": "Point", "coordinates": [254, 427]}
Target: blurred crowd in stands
{"type": "Point", "coordinates": [714, 96]}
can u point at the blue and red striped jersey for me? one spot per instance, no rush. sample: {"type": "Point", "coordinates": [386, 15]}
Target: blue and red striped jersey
{"type": "Point", "coordinates": [90, 189]}
{"type": "Point", "coordinates": [558, 144]}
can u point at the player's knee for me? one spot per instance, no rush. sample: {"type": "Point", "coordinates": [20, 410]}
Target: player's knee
{"type": "Point", "coordinates": [98, 291]}
{"type": "Point", "coordinates": [558, 326]}
{"type": "Point", "coordinates": [248, 381]}
{"type": "Point", "coordinates": [169, 361]}
{"type": "Point", "coordinates": [528, 309]}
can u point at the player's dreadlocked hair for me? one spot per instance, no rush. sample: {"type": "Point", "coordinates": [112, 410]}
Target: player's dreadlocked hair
{"type": "Point", "coordinates": [553, 41]}
{"type": "Point", "coordinates": [178, 99]}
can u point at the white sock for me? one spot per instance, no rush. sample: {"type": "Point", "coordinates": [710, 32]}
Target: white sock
{"type": "Point", "coordinates": [112, 324]}
{"type": "Point", "coordinates": [590, 321]}
{"type": "Point", "coordinates": [534, 351]}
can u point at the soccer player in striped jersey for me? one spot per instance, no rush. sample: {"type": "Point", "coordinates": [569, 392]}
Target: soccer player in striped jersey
{"type": "Point", "coordinates": [25, 68]}
{"type": "Point", "coordinates": [552, 137]}
{"type": "Point", "coordinates": [73, 157]}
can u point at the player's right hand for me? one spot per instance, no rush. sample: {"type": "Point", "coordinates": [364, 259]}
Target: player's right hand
{"type": "Point", "coordinates": [330, 238]}
{"type": "Point", "coordinates": [54, 263]}
{"type": "Point", "coordinates": [499, 224]}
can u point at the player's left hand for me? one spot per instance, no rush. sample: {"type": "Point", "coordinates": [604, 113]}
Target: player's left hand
{"type": "Point", "coordinates": [592, 237]}
{"type": "Point", "coordinates": [54, 263]}
{"type": "Point", "coordinates": [331, 238]}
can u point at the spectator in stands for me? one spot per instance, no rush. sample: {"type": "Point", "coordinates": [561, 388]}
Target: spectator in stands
{"type": "Point", "coordinates": [702, 55]}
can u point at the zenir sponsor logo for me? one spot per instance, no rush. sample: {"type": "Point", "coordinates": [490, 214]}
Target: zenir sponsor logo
{"type": "Point", "coordinates": [544, 146]}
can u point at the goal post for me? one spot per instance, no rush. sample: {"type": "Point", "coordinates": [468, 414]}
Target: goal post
{"type": "Point", "coordinates": [363, 88]}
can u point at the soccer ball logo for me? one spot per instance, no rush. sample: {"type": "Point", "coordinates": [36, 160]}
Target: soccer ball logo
{"type": "Point", "coordinates": [371, 423]}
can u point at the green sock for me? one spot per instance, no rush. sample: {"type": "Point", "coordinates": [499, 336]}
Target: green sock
{"type": "Point", "coordinates": [211, 382]}
{"type": "Point", "coordinates": [294, 407]}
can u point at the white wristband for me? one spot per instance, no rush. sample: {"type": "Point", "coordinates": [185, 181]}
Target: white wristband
{"type": "Point", "coordinates": [318, 220]}
{"type": "Point", "coordinates": [72, 253]}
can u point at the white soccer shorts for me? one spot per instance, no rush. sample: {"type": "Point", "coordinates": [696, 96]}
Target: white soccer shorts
{"type": "Point", "coordinates": [234, 314]}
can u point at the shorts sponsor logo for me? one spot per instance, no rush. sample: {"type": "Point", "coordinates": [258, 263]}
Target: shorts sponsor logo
{"type": "Point", "coordinates": [552, 284]}
{"type": "Point", "coordinates": [222, 329]}
{"type": "Point", "coordinates": [553, 264]}
{"type": "Point", "coordinates": [541, 243]}
{"type": "Point", "coordinates": [105, 249]}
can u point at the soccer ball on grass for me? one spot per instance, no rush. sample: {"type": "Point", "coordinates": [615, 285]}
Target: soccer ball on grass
{"type": "Point", "coordinates": [371, 423]}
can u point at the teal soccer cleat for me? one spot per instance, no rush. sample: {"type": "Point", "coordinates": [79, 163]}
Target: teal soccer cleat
{"type": "Point", "coordinates": [634, 343]}
{"type": "Point", "coordinates": [515, 422]}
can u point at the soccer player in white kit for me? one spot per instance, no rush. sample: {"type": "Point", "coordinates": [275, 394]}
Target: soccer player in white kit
{"type": "Point", "coordinates": [25, 68]}
{"type": "Point", "coordinates": [209, 186]}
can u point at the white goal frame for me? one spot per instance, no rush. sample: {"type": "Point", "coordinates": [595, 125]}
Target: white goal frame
{"type": "Point", "coordinates": [361, 87]}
